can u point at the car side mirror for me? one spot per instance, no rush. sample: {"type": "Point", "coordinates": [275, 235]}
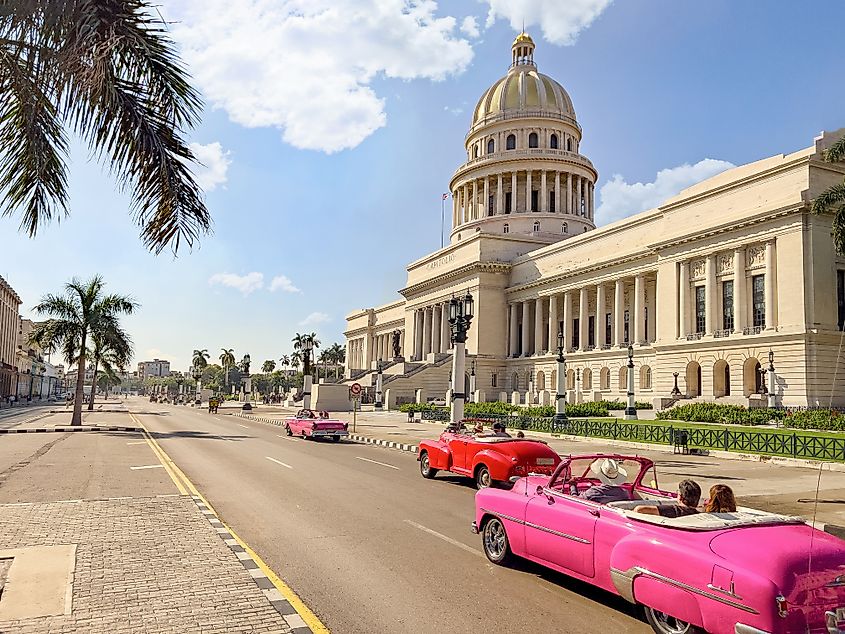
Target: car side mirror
{"type": "Point", "coordinates": [539, 490]}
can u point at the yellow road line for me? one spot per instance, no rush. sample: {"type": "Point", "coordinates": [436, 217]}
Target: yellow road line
{"type": "Point", "coordinates": [182, 483]}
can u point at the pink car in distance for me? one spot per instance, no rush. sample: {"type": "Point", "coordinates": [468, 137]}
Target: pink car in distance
{"type": "Point", "coordinates": [747, 572]}
{"type": "Point", "coordinates": [309, 423]}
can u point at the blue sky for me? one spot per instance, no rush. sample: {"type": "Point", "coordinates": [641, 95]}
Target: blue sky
{"type": "Point", "coordinates": [339, 128]}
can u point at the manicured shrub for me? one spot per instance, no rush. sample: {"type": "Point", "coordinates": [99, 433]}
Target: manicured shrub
{"type": "Point", "coordinates": [616, 405]}
{"type": "Point", "coordinates": [820, 419]}
{"type": "Point", "coordinates": [721, 413]}
{"type": "Point", "coordinates": [419, 407]}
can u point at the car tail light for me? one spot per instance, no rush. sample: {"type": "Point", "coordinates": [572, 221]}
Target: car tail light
{"type": "Point", "coordinates": [782, 605]}
{"type": "Point", "coordinates": [519, 469]}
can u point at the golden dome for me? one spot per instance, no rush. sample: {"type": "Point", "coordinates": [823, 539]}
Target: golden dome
{"type": "Point", "coordinates": [524, 91]}
{"type": "Point", "coordinates": [523, 38]}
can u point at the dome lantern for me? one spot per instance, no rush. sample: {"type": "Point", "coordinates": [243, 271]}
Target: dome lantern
{"type": "Point", "coordinates": [523, 50]}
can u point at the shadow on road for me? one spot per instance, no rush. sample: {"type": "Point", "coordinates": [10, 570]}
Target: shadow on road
{"type": "Point", "coordinates": [195, 434]}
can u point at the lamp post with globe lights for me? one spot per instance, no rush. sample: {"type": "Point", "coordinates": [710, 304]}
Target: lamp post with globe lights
{"type": "Point", "coordinates": [631, 410]}
{"type": "Point", "coordinates": [307, 347]}
{"type": "Point", "coordinates": [460, 318]}
{"type": "Point", "coordinates": [772, 393]}
{"type": "Point", "coordinates": [560, 397]}
{"type": "Point", "coordinates": [197, 374]}
{"type": "Point", "coordinates": [379, 378]}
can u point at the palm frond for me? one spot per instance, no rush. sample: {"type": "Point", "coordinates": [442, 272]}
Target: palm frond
{"type": "Point", "coordinates": [836, 152]}
{"type": "Point", "coordinates": [829, 198]}
{"type": "Point", "coordinates": [838, 227]}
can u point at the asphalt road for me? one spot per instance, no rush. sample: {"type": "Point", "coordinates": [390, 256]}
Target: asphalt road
{"type": "Point", "coordinates": [366, 542]}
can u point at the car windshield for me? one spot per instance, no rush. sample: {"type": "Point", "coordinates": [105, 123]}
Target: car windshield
{"type": "Point", "coordinates": [581, 469]}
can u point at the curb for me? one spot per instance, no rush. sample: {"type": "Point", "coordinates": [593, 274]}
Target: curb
{"type": "Point", "coordinates": [388, 444]}
{"type": "Point", "coordinates": [282, 605]}
{"type": "Point", "coordinates": [47, 430]}
{"type": "Point", "coordinates": [260, 419]}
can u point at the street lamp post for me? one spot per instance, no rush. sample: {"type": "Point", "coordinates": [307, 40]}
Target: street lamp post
{"type": "Point", "coordinates": [197, 374]}
{"type": "Point", "coordinates": [307, 346]}
{"type": "Point", "coordinates": [560, 397]}
{"type": "Point", "coordinates": [675, 390]}
{"type": "Point", "coordinates": [379, 377]}
{"type": "Point", "coordinates": [460, 317]}
{"type": "Point", "coordinates": [472, 381]}
{"type": "Point", "coordinates": [631, 410]}
{"type": "Point", "coordinates": [772, 392]}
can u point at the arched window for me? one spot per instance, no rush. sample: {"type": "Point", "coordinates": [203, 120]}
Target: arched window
{"type": "Point", "coordinates": [536, 226]}
{"type": "Point", "coordinates": [515, 382]}
{"type": "Point", "coordinates": [541, 381]}
{"type": "Point", "coordinates": [587, 379]}
{"type": "Point", "coordinates": [506, 228]}
{"type": "Point", "coordinates": [532, 140]}
{"type": "Point", "coordinates": [623, 378]}
{"type": "Point", "coordinates": [568, 145]}
{"type": "Point", "coordinates": [645, 378]}
{"type": "Point", "coordinates": [570, 379]}
{"type": "Point", "coordinates": [564, 228]}
{"type": "Point", "coordinates": [491, 146]}
{"type": "Point", "coordinates": [604, 379]}
{"type": "Point", "coordinates": [553, 142]}
{"type": "Point", "coordinates": [475, 152]}
{"type": "Point", "coordinates": [510, 142]}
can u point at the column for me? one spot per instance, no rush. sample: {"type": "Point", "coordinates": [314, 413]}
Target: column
{"type": "Point", "coordinates": [418, 344]}
{"type": "Point", "coordinates": [466, 203]}
{"type": "Point", "coordinates": [513, 192]}
{"type": "Point", "coordinates": [591, 190]}
{"type": "Point", "coordinates": [528, 190]}
{"type": "Point", "coordinates": [500, 196]}
{"type": "Point", "coordinates": [771, 310]}
{"type": "Point", "coordinates": [739, 290]}
{"type": "Point", "coordinates": [553, 323]}
{"type": "Point", "coordinates": [582, 320]}
{"type": "Point", "coordinates": [619, 313]}
{"type": "Point", "coordinates": [445, 333]}
{"type": "Point", "coordinates": [709, 294]}
{"type": "Point", "coordinates": [568, 208]}
{"type": "Point", "coordinates": [512, 343]}
{"type": "Point", "coordinates": [558, 201]}
{"type": "Point", "coordinates": [544, 194]}
{"type": "Point", "coordinates": [639, 309]}
{"type": "Point", "coordinates": [538, 326]}
{"type": "Point", "coordinates": [526, 325]}
{"type": "Point", "coordinates": [578, 195]}
{"type": "Point", "coordinates": [427, 317]}
{"type": "Point", "coordinates": [437, 328]}
{"type": "Point", "coordinates": [486, 196]}
{"type": "Point", "coordinates": [684, 300]}
{"type": "Point", "coordinates": [473, 205]}
{"type": "Point", "coordinates": [567, 320]}
{"type": "Point", "coordinates": [600, 318]}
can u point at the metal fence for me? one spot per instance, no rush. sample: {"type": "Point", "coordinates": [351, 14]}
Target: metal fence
{"type": "Point", "coordinates": [743, 441]}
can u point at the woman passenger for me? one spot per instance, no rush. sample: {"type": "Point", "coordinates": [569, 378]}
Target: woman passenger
{"type": "Point", "coordinates": [721, 500]}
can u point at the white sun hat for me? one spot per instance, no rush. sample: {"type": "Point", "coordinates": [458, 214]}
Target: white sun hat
{"type": "Point", "coordinates": [609, 471]}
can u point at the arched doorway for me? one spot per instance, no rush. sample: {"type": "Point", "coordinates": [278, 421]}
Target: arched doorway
{"type": "Point", "coordinates": [693, 376]}
{"type": "Point", "coordinates": [721, 378]}
{"type": "Point", "coordinates": [750, 376]}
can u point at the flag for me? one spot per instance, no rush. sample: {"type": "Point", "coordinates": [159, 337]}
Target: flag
{"type": "Point", "coordinates": [445, 196]}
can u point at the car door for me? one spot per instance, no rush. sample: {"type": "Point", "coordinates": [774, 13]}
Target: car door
{"type": "Point", "coordinates": [560, 530]}
{"type": "Point", "coordinates": [458, 449]}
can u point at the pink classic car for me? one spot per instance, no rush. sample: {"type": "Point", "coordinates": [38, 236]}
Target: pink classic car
{"type": "Point", "coordinates": [747, 572]}
{"type": "Point", "coordinates": [312, 424]}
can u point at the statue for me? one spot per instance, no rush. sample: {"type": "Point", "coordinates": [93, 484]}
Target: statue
{"type": "Point", "coordinates": [244, 365]}
{"type": "Point", "coordinates": [396, 348]}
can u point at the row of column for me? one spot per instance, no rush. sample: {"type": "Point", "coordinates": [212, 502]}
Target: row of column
{"type": "Point", "coordinates": [357, 353]}
{"type": "Point", "coordinates": [741, 317]}
{"type": "Point", "coordinates": [360, 355]}
{"type": "Point", "coordinates": [431, 330]}
{"type": "Point", "coordinates": [466, 206]}
{"type": "Point", "coordinates": [530, 332]}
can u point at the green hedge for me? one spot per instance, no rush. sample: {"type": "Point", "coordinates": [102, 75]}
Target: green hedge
{"type": "Point", "coordinates": [720, 413]}
{"type": "Point", "coordinates": [596, 409]}
{"type": "Point", "coordinates": [820, 419]}
{"type": "Point", "coordinates": [419, 407]}
{"type": "Point", "coordinates": [617, 405]}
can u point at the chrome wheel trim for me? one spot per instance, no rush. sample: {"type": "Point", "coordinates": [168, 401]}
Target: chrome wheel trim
{"type": "Point", "coordinates": [483, 478]}
{"type": "Point", "coordinates": [669, 624]}
{"type": "Point", "coordinates": [495, 540]}
{"type": "Point", "coordinates": [425, 465]}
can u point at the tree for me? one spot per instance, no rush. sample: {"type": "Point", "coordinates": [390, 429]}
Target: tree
{"type": "Point", "coordinates": [299, 342]}
{"type": "Point", "coordinates": [112, 348]}
{"type": "Point", "coordinates": [338, 354]}
{"type": "Point", "coordinates": [200, 359]}
{"type": "Point", "coordinates": [107, 71]}
{"type": "Point", "coordinates": [227, 360]}
{"type": "Point", "coordinates": [268, 366]}
{"type": "Point", "coordinates": [107, 378]}
{"type": "Point", "coordinates": [82, 310]}
{"type": "Point", "coordinates": [833, 198]}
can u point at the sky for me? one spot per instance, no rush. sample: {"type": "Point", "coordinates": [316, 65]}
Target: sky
{"type": "Point", "coordinates": [332, 127]}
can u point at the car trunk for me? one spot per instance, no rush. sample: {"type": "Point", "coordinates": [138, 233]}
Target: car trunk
{"type": "Point", "coordinates": [329, 425]}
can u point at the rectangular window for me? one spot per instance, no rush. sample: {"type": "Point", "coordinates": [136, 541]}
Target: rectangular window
{"type": "Point", "coordinates": [758, 300]}
{"type": "Point", "coordinates": [494, 380]}
{"type": "Point", "coordinates": [508, 202]}
{"type": "Point", "coordinates": [840, 298]}
{"type": "Point", "coordinates": [535, 195]}
{"type": "Point", "coordinates": [700, 309]}
{"type": "Point", "coordinates": [627, 325]}
{"type": "Point", "coordinates": [591, 331]}
{"type": "Point", "coordinates": [576, 333]}
{"type": "Point", "coordinates": [608, 328]}
{"type": "Point", "coordinates": [552, 202]}
{"type": "Point", "coordinates": [727, 305]}
{"type": "Point", "coordinates": [490, 203]}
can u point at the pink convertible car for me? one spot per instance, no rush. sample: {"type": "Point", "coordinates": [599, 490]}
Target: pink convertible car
{"type": "Point", "coordinates": [312, 424]}
{"type": "Point", "coordinates": [747, 572]}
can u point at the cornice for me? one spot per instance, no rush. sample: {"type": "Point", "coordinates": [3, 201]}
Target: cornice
{"type": "Point", "coordinates": [461, 271]}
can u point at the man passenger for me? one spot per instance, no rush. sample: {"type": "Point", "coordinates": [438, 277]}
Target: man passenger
{"type": "Point", "coordinates": [689, 494]}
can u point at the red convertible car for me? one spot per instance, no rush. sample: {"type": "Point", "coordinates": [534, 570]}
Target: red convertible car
{"type": "Point", "coordinates": [312, 424]}
{"type": "Point", "coordinates": [487, 459]}
{"type": "Point", "coordinates": [743, 572]}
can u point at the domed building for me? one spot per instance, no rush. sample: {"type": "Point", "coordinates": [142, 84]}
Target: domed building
{"type": "Point", "coordinates": [703, 289]}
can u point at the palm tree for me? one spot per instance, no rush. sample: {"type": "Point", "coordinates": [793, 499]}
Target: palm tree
{"type": "Point", "coordinates": [338, 357]}
{"type": "Point", "coordinates": [268, 366]}
{"type": "Point", "coordinates": [108, 378]}
{"type": "Point", "coordinates": [833, 198]}
{"type": "Point", "coordinates": [227, 360]}
{"type": "Point", "coordinates": [200, 359]}
{"type": "Point", "coordinates": [111, 347]}
{"type": "Point", "coordinates": [299, 342]}
{"type": "Point", "coordinates": [284, 360]}
{"type": "Point", "coordinates": [84, 309]}
{"type": "Point", "coordinates": [107, 71]}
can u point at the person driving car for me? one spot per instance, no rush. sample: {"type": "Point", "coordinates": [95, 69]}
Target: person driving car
{"type": "Point", "coordinates": [611, 475]}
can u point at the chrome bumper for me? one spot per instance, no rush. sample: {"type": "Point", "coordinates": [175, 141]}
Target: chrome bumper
{"type": "Point", "coordinates": [741, 628]}
{"type": "Point", "coordinates": [474, 528]}
{"type": "Point", "coordinates": [329, 432]}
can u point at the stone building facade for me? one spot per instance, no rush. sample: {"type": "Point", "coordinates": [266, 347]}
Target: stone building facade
{"type": "Point", "coordinates": [9, 326]}
{"type": "Point", "coordinates": [706, 285]}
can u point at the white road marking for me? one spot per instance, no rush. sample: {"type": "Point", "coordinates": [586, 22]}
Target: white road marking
{"type": "Point", "coordinates": [445, 538]}
{"type": "Point", "coordinates": [278, 462]}
{"type": "Point", "coordinates": [244, 426]}
{"type": "Point", "coordinates": [137, 442]}
{"type": "Point", "coordinates": [383, 464]}
{"type": "Point", "coordinates": [148, 466]}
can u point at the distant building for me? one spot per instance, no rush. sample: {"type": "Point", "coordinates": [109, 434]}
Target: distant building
{"type": "Point", "coordinates": [9, 324]}
{"type": "Point", "coordinates": [156, 367]}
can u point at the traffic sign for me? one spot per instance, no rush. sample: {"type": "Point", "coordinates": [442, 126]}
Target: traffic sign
{"type": "Point", "coordinates": [355, 389]}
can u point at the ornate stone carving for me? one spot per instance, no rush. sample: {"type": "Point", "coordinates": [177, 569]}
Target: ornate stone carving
{"type": "Point", "coordinates": [724, 263]}
{"type": "Point", "coordinates": [697, 269]}
{"type": "Point", "coordinates": [756, 256]}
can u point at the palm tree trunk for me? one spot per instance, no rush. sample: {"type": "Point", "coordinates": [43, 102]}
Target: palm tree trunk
{"type": "Point", "coordinates": [93, 386]}
{"type": "Point", "coordinates": [76, 419]}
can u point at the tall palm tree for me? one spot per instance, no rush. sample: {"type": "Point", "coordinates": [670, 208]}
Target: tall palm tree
{"type": "Point", "coordinates": [84, 309]}
{"type": "Point", "coordinates": [108, 378]}
{"type": "Point", "coordinates": [200, 359]}
{"type": "Point", "coordinates": [268, 366]}
{"type": "Point", "coordinates": [227, 360]}
{"type": "Point", "coordinates": [107, 71]}
{"type": "Point", "coordinates": [338, 357]}
{"type": "Point", "coordinates": [284, 361]}
{"type": "Point", "coordinates": [299, 342]}
{"type": "Point", "coordinates": [833, 198]}
{"type": "Point", "coordinates": [111, 347]}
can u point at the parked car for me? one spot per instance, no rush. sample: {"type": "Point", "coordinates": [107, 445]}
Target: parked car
{"type": "Point", "coordinates": [309, 423]}
{"type": "Point", "coordinates": [747, 572]}
{"type": "Point", "coordinates": [489, 460]}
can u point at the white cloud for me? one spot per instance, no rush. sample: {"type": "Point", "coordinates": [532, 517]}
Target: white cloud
{"type": "Point", "coordinates": [246, 284]}
{"type": "Point", "coordinates": [314, 319]}
{"type": "Point", "coordinates": [469, 27]}
{"type": "Point", "coordinates": [560, 21]}
{"type": "Point", "coordinates": [306, 66]}
{"type": "Point", "coordinates": [215, 164]}
{"type": "Point", "coordinates": [620, 198]}
{"type": "Point", "coordinates": [283, 283]}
